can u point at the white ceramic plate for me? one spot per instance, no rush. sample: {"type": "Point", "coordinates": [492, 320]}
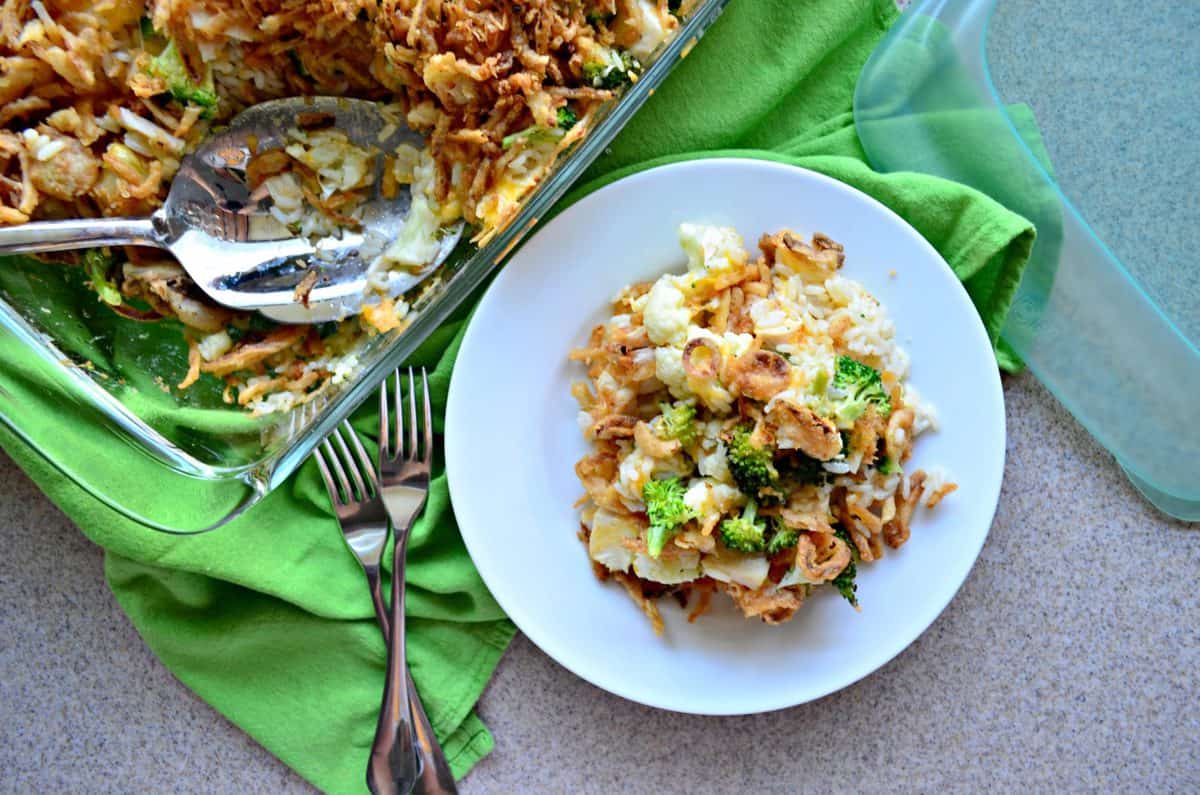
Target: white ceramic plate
{"type": "Point", "coordinates": [512, 442]}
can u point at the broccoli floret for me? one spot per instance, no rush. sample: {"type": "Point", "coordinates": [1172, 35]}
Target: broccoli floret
{"type": "Point", "coordinates": [863, 386]}
{"type": "Point", "coordinates": [170, 66]}
{"type": "Point", "coordinates": [567, 118]}
{"type": "Point", "coordinates": [611, 69]}
{"type": "Point", "coordinates": [750, 465]}
{"type": "Point", "coordinates": [799, 469]}
{"type": "Point", "coordinates": [98, 263]}
{"type": "Point", "coordinates": [782, 537]}
{"type": "Point", "coordinates": [259, 322]}
{"type": "Point", "coordinates": [533, 135]}
{"type": "Point", "coordinates": [745, 533]}
{"type": "Point", "coordinates": [888, 466]}
{"type": "Point", "coordinates": [146, 26]}
{"type": "Point", "coordinates": [796, 470]}
{"type": "Point", "coordinates": [298, 64]}
{"type": "Point", "coordinates": [667, 511]}
{"type": "Point", "coordinates": [844, 582]}
{"type": "Point", "coordinates": [679, 423]}
{"type": "Point", "coordinates": [537, 134]}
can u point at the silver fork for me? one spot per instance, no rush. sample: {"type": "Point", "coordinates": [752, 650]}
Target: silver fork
{"type": "Point", "coordinates": [404, 484]}
{"type": "Point", "coordinates": [352, 483]}
{"type": "Point", "coordinates": [353, 489]}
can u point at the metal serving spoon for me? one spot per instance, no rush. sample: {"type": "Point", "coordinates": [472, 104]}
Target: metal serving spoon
{"type": "Point", "coordinates": [225, 237]}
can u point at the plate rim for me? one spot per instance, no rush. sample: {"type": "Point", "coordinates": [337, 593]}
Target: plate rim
{"type": "Point", "coordinates": [453, 408]}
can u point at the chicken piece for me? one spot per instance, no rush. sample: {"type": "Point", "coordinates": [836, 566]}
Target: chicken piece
{"type": "Point", "coordinates": [800, 428]}
{"type": "Point", "coordinates": [18, 74]}
{"type": "Point", "coordinates": [68, 173]}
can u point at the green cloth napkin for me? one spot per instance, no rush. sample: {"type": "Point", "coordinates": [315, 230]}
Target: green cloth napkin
{"type": "Point", "coordinates": [268, 618]}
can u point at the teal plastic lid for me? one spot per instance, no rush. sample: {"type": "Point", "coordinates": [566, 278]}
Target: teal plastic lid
{"type": "Point", "coordinates": [1106, 314]}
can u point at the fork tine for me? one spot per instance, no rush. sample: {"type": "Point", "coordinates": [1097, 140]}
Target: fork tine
{"type": "Point", "coordinates": [428, 455]}
{"type": "Point", "coordinates": [364, 460]}
{"type": "Point", "coordinates": [330, 486]}
{"type": "Point", "coordinates": [384, 422]}
{"type": "Point", "coordinates": [412, 416]}
{"type": "Point", "coordinates": [398, 413]}
{"type": "Point", "coordinates": [336, 465]}
{"type": "Point", "coordinates": [348, 461]}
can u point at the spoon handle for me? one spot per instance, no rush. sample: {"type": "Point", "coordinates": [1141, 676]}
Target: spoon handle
{"type": "Point", "coordinates": [81, 233]}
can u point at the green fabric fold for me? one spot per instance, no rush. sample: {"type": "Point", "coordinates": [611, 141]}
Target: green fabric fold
{"type": "Point", "coordinates": [268, 619]}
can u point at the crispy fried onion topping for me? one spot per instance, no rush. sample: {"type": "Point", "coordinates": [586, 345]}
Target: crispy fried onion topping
{"type": "Point", "coordinates": [816, 261]}
{"type": "Point", "coordinates": [800, 428]}
{"type": "Point", "coordinates": [772, 605]}
{"type": "Point", "coordinates": [614, 426]}
{"type": "Point", "coordinates": [821, 556]}
{"type": "Point", "coordinates": [761, 374]}
{"type": "Point", "coordinates": [702, 359]}
{"type": "Point", "coordinates": [651, 444]}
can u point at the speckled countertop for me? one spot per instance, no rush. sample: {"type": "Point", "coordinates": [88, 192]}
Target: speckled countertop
{"type": "Point", "coordinates": [1069, 661]}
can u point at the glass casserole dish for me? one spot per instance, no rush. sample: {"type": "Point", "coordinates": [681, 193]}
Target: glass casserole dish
{"type": "Point", "coordinates": [100, 369]}
{"type": "Point", "coordinates": [1105, 314]}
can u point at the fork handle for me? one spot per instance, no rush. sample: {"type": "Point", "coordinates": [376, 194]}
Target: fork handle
{"type": "Point", "coordinates": [82, 233]}
{"type": "Point", "coordinates": [394, 767]}
{"type": "Point", "coordinates": [436, 778]}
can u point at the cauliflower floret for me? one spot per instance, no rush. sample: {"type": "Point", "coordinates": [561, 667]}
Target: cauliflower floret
{"type": "Point", "coordinates": [706, 496]}
{"type": "Point", "coordinates": [715, 396]}
{"type": "Point", "coordinates": [606, 541]}
{"type": "Point", "coordinates": [668, 368]}
{"type": "Point", "coordinates": [714, 464]}
{"type": "Point", "coordinates": [654, 28]}
{"type": "Point", "coordinates": [712, 248]}
{"type": "Point", "coordinates": [711, 457]}
{"type": "Point", "coordinates": [726, 566]}
{"type": "Point", "coordinates": [214, 345]}
{"type": "Point", "coordinates": [795, 576]}
{"type": "Point", "coordinates": [451, 83]}
{"type": "Point", "coordinates": [680, 566]}
{"type": "Point", "coordinates": [730, 344]}
{"type": "Point", "coordinates": [664, 314]}
{"type": "Point", "coordinates": [417, 243]}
